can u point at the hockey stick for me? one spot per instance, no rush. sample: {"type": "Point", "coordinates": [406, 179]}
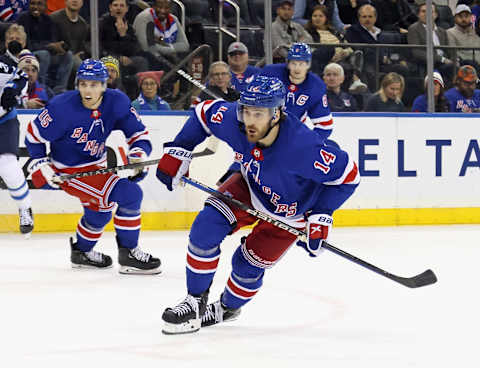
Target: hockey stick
{"type": "Point", "coordinates": [423, 279]}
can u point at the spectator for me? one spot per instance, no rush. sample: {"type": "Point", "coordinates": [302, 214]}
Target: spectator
{"type": "Point", "coordinates": [37, 94]}
{"type": "Point", "coordinates": [365, 31]}
{"type": "Point", "coordinates": [15, 41]}
{"type": "Point", "coordinates": [417, 35]}
{"type": "Point", "coordinates": [441, 104]}
{"type": "Point", "coordinates": [338, 100]}
{"type": "Point", "coordinates": [389, 96]}
{"type": "Point", "coordinates": [242, 72]}
{"type": "Point", "coordinates": [219, 82]}
{"type": "Point", "coordinates": [285, 32]}
{"type": "Point", "coordinates": [394, 15]}
{"type": "Point", "coordinates": [303, 11]}
{"type": "Point", "coordinates": [149, 83]}
{"type": "Point", "coordinates": [114, 80]}
{"type": "Point", "coordinates": [160, 32]}
{"type": "Point", "coordinates": [321, 30]}
{"type": "Point", "coordinates": [464, 97]}
{"type": "Point", "coordinates": [43, 39]}
{"type": "Point", "coordinates": [74, 30]}
{"type": "Point", "coordinates": [118, 38]}
{"type": "Point", "coordinates": [11, 9]}
{"type": "Point", "coordinates": [463, 35]}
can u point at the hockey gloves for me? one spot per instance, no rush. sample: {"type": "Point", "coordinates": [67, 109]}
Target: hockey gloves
{"type": "Point", "coordinates": [137, 155]}
{"type": "Point", "coordinates": [173, 165]}
{"type": "Point", "coordinates": [9, 99]}
{"type": "Point", "coordinates": [43, 175]}
{"type": "Point", "coordinates": [318, 228]}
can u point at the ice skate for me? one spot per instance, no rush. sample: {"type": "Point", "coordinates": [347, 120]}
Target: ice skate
{"type": "Point", "coordinates": [217, 312]}
{"type": "Point", "coordinates": [91, 259]}
{"type": "Point", "coordinates": [26, 221]}
{"type": "Point", "coordinates": [186, 317]}
{"type": "Point", "coordinates": [137, 262]}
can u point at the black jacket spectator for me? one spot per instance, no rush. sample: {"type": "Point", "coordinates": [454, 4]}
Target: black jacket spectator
{"type": "Point", "coordinates": [393, 15]}
{"type": "Point", "coordinates": [40, 30]}
{"type": "Point", "coordinates": [112, 43]}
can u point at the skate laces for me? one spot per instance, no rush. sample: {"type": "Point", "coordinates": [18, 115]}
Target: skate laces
{"type": "Point", "coordinates": [94, 256]}
{"type": "Point", "coordinates": [25, 217]}
{"type": "Point", "coordinates": [214, 311]}
{"type": "Point", "coordinates": [190, 303]}
{"type": "Point", "coordinates": [140, 254]}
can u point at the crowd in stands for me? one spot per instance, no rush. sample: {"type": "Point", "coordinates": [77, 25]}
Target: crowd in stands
{"type": "Point", "coordinates": [140, 41]}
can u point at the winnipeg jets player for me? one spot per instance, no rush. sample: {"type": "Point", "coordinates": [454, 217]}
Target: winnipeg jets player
{"type": "Point", "coordinates": [286, 172]}
{"type": "Point", "coordinates": [306, 92]}
{"type": "Point", "coordinates": [13, 87]}
{"type": "Point", "coordinates": [77, 124]}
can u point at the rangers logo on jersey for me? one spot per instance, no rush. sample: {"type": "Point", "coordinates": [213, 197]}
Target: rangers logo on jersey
{"type": "Point", "coordinates": [257, 154]}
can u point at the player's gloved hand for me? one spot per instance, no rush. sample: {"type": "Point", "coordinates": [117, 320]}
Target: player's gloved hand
{"type": "Point", "coordinates": [137, 155]}
{"type": "Point", "coordinates": [318, 228]}
{"type": "Point", "coordinates": [173, 165]}
{"type": "Point", "coordinates": [8, 99]}
{"type": "Point", "coordinates": [43, 175]}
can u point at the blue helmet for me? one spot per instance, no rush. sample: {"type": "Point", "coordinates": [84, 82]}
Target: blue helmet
{"type": "Point", "coordinates": [264, 92]}
{"type": "Point", "coordinates": [91, 69]}
{"type": "Point", "coordinates": [299, 51]}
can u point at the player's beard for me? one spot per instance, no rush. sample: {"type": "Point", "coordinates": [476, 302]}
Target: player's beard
{"type": "Point", "coordinates": [254, 134]}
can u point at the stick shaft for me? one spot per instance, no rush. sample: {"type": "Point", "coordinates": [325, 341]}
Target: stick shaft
{"type": "Point", "coordinates": [426, 278]}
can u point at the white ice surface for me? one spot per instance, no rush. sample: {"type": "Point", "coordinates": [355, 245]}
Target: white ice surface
{"type": "Point", "coordinates": [324, 312]}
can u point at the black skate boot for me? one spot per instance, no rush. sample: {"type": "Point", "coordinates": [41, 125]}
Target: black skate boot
{"type": "Point", "coordinates": [136, 261]}
{"type": "Point", "coordinates": [186, 317]}
{"type": "Point", "coordinates": [90, 259]}
{"type": "Point", "coordinates": [217, 312]}
{"type": "Point", "coordinates": [26, 221]}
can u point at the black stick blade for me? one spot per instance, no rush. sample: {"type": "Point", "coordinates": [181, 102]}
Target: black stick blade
{"type": "Point", "coordinates": [423, 279]}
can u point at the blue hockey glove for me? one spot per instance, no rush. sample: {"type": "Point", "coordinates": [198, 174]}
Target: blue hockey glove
{"type": "Point", "coordinates": [318, 228]}
{"type": "Point", "coordinates": [137, 155]}
{"type": "Point", "coordinates": [173, 165]}
{"type": "Point", "coordinates": [9, 99]}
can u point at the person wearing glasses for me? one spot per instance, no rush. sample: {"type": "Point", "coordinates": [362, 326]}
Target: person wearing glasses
{"type": "Point", "coordinates": [219, 82]}
{"type": "Point", "coordinates": [148, 99]}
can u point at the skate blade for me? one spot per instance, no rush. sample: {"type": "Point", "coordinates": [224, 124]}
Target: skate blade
{"type": "Point", "coordinates": [128, 270]}
{"type": "Point", "coordinates": [182, 328]}
{"type": "Point", "coordinates": [88, 267]}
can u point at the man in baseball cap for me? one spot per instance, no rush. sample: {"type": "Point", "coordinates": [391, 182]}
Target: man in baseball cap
{"type": "Point", "coordinates": [242, 72]}
{"type": "Point", "coordinates": [464, 97]}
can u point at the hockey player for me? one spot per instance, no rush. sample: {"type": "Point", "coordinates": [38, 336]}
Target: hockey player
{"type": "Point", "coordinates": [13, 86]}
{"type": "Point", "coordinates": [286, 172]}
{"type": "Point", "coordinates": [77, 124]}
{"type": "Point", "coordinates": [306, 92]}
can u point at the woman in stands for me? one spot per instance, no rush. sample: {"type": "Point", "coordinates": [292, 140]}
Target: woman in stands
{"type": "Point", "coordinates": [149, 83]}
{"type": "Point", "coordinates": [389, 97]}
{"type": "Point", "coordinates": [441, 104]}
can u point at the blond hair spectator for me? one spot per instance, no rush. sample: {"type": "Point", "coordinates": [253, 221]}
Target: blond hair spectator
{"type": "Point", "coordinates": [389, 97]}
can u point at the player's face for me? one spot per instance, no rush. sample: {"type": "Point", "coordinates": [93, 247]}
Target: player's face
{"type": "Point", "coordinates": [466, 88]}
{"type": "Point", "coordinates": [333, 79]}
{"type": "Point", "coordinates": [392, 91]}
{"type": "Point", "coordinates": [91, 92]}
{"type": "Point", "coordinates": [257, 122]}
{"type": "Point", "coordinates": [298, 70]}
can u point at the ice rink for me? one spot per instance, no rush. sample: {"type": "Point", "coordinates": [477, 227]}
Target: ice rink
{"type": "Point", "coordinates": [324, 312]}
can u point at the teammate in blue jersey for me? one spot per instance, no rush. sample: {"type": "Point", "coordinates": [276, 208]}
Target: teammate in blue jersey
{"type": "Point", "coordinates": [306, 92]}
{"type": "Point", "coordinates": [77, 125]}
{"type": "Point", "coordinates": [286, 171]}
{"type": "Point", "coordinates": [464, 97]}
{"type": "Point", "coordinates": [13, 87]}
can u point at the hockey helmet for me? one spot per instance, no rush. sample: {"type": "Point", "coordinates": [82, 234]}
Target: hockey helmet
{"type": "Point", "coordinates": [299, 51]}
{"type": "Point", "coordinates": [91, 69]}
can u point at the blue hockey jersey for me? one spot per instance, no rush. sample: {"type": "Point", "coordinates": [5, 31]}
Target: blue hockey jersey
{"type": "Point", "coordinates": [10, 9]}
{"type": "Point", "coordinates": [77, 135]}
{"type": "Point", "coordinates": [294, 175]}
{"type": "Point", "coordinates": [306, 99]}
{"type": "Point", "coordinates": [241, 80]}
